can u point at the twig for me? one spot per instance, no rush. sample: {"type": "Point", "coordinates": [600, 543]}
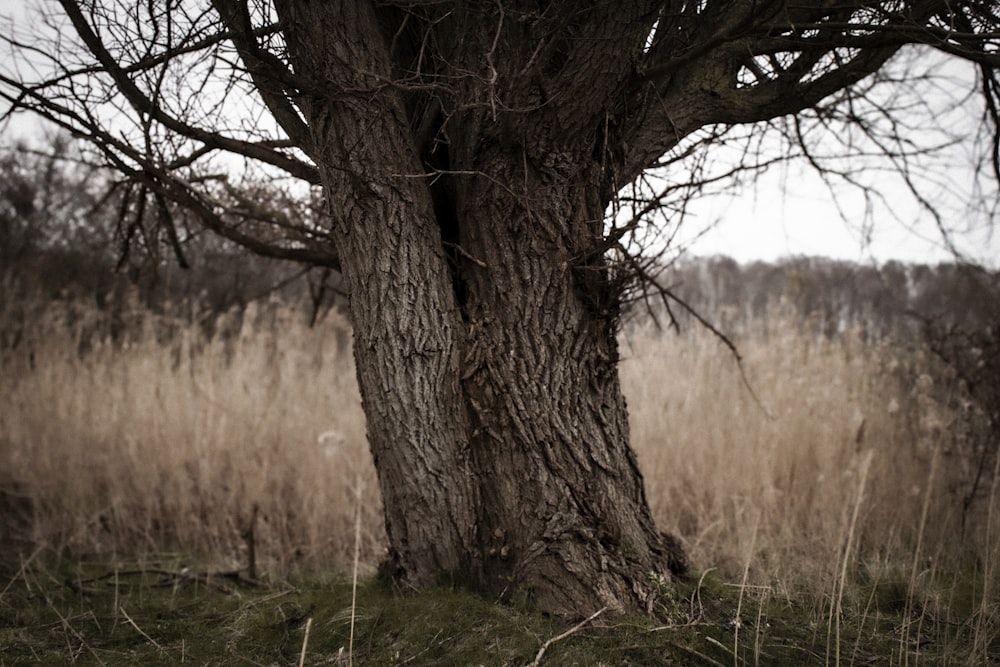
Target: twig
{"type": "Point", "coordinates": [64, 621]}
{"type": "Point", "coordinates": [576, 628]}
{"type": "Point", "coordinates": [138, 629]}
{"type": "Point", "coordinates": [698, 654]}
{"type": "Point", "coordinates": [696, 596]}
{"type": "Point", "coordinates": [466, 254]}
{"type": "Point", "coordinates": [171, 576]}
{"type": "Point", "coordinates": [305, 641]}
{"type": "Point", "coordinates": [716, 642]}
{"type": "Point", "coordinates": [21, 573]}
{"type": "Point", "coordinates": [667, 295]}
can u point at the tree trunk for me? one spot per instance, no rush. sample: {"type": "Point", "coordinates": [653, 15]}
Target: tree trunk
{"type": "Point", "coordinates": [405, 319]}
{"type": "Point", "coordinates": [484, 338]}
{"type": "Point", "coordinates": [563, 510]}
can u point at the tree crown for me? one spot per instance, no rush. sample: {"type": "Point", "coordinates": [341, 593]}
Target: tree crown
{"type": "Point", "coordinates": [164, 91]}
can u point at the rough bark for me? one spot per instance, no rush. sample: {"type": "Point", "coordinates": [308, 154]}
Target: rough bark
{"type": "Point", "coordinates": [406, 324]}
{"type": "Point", "coordinates": [484, 333]}
{"type": "Point", "coordinates": [563, 507]}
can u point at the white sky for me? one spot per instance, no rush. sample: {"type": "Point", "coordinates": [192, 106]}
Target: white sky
{"type": "Point", "coordinates": [770, 223]}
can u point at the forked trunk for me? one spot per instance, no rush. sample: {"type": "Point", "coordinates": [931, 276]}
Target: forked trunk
{"type": "Point", "coordinates": [485, 342]}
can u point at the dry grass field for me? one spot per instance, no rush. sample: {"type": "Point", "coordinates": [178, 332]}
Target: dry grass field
{"type": "Point", "coordinates": [840, 470]}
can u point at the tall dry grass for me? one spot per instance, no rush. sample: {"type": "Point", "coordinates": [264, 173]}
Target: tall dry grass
{"type": "Point", "coordinates": [838, 467]}
{"type": "Point", "coordinates": [171, 438]}
{"type": "Point", "coordinates": [845, 463]}
{"type": "Point", "coordinates": [822, 428]}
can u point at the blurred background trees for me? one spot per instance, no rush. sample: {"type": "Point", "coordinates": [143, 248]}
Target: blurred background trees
{"type": "Point", "coordinates": [69, 229]}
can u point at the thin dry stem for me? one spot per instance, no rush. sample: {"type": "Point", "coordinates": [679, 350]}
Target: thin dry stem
{"type": "Point", "coordinates": [305, 642]}
{"type": "Point", "coordinates": [981, 638]}
{"type": "Point", "coordinates": [354, 572]}
{"type": "Point", "coordinates": [737, 622]}
{"type": "Point", "coordinates": [572, 631]}
{"type": "Point", "coordinates": [129, 620]}
{"type": "Point", "coordinates": [911, 591]}
{"type": "Point", "coordinates": [845, 557]}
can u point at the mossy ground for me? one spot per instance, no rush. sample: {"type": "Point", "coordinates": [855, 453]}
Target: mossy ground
{"type": "Point", "coordinates": [87, 611]}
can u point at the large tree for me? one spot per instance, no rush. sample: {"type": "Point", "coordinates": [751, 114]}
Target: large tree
{"type": "Point", "coordinates": [469, 154]}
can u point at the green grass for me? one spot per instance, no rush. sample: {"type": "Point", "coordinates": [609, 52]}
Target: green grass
{"type": "Point", "coordinates": [62, 611]}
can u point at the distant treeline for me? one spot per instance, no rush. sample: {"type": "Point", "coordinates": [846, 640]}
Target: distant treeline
{"type": "Point", "coordinates": [831, 296]}
{"type": "Point", "coordinates": [890, 300]}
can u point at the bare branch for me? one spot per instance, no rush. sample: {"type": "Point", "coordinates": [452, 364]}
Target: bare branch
{"type": "Point", "coordinates": [146, 106]}
{"type": "Point", "coordinates": [269, 75]}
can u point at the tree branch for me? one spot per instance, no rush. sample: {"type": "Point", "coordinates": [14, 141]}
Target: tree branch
{"type": "Point", "coordinates": [795, 56]}
{"type": "Point", "coordinates": [145, 105]}
{"type": "Point", "coordinates": [268, 74]}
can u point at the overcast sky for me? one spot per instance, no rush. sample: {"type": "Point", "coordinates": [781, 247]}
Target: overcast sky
{"type": "Point", "coordinates": [772, 223]}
